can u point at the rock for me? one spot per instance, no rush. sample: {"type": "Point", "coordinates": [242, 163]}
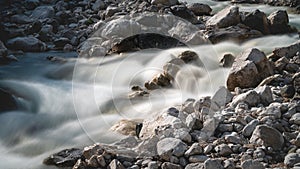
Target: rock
{"type": "Point", "coordinates": [183, 134]}
{"type": "Point", "coordinates": [223, 149]}
{"type": "Point", "coordinates": [295, 119]}
{"type": "Point", "coordinates": [213, 164]}
{"type": "Point", "coordinates": [197, 158]}
{"type": "Point", "coordinates": [272, 110]}
{"type": "Point", "coordinates": [195, 149]}
{"type": "Point", "coordinates": [257, 20]}
{"type": "Point", "coordinates": [111, 11]}
{"type": "Point", "coordinates": [145, 41]}
{"type": "Point", "coordinates": [64, 158]}
{"type": "Point", "coordinates": [97, 51]}
{"type": "Point", "coordinates": [115, 164]}
{"type": "Point", "coordinates": [35, 27]}
{"type": "Point", "coordinates": [170, 146]}
{"type": "Point", "coordinates": [279, 22]}
{"type": "Point", "coordinates": [126, 127]}
{"type": "Point", "coordinates": [296, 82]}
{"type": "Point", "coordinates": [183, 12]}
{"type": "Point", "coordinates": [252, 164]}
{"type": "Point", "coordinates": [267, 136]}
{"type": "Point", "coordinates": [250, 127]}
{"type": "Point", "coordinates": [3, 50]}
{"type": "Point", "coordinates": [288, 52]}
{"type": "Point", "coordinates": [222, 97]}
{"type": "Point", "coordinates": [251, 98]}
{"type": "Point", "coordinates": [68, 48]}
{"type": "Point", "coordinates": [265, 94]}
{"type": "Point", "coordinates": [229, 16]}
{"type": "Point", "coordinates": [291, 159]}
{"type": "Point", "coordinates": [288, 91]}
{"type": "Point", "coordinates": [21, 19]}
{"type": "Point", "coordinates": [7, 101]}
{"type": "Point", "coordinates": [199, 9]}
{"type": "Point", "coordinates": [89, 151]}
{"type": "Point", "coordinates": [80, 164]}
{"type": "Point", "coordinates": [164, 2]}
{"type": "Point", "coordinates": [172, 67]}
{"type": "Point", "coordinates": [168, 165]}
{"type": "Point", "coordinates": [26, 44]}
{"type": "Point", "coordinates": [148, 147]}
{"type": "Point", "coordinates": [227, 60]}
{"type": "Point", "coordinates": [194, 166]}
{"type": "Point", "coordinates": [238, 33]}
{"type": "Point", "coordinates": [188, 56]}
{"type": "Point", "coordinates": [249, 69]}
{"type": "Point", "coordinates": [61, 42]}
{"type": "Point", "coordinates": [43, 12]}
{"type": "Point", "coordinates": [31, 4]}
{"type": "Point", "coordinates": [98, 5]}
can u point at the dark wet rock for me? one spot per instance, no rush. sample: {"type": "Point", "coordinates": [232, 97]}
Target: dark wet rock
{"type": "Point", "coordinates": [279, 22]}
{"type": "Point", "coordinates": [227, 60]}
{"type": "Point", "coordinates": [61, 42]}
{"type": "Point", "coordinates": [229, 16]}
{"type": "Point", "coordinates": [7, 101]}
{"type": "Point", "coordinates": [35, 27]}
{"type": "Point", "coordinates": [21, 19]}
{"type": "Point", "coordinates": [288, 91]}
{"type": "Point", "coordinates": [43, 12]}
{"type": "Point", "coordinates": [188, 56]}
{"type": "Point", "coordinates": [238, 33]}
{"type": "Point", "coordinates": [145, 41]}
{"type": "Point", "coordinates": [257, 20]}
{"type": "Point", "coordinates": [249, 69]}
{"type": "Point", "coordinates": [64, 158]}
{"type": "Point", "coordinates": [267, 136]}
{"type": "Point", "coordinates": [26, 44]}
{"type": "Point", "coordinates": [199, 9]}
{"type": "Point", "coordinates": [183, 12]}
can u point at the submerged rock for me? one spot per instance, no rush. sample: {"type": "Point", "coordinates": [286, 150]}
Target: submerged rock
{"type": "Point", "coordinates": [7, 101]}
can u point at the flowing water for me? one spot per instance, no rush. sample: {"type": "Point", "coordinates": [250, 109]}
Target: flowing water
{"type": "Point", "coordinates": [74, 104]}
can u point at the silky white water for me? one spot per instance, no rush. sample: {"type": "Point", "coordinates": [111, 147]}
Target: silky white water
{"type": "Point", "coordinates": [74, 104]}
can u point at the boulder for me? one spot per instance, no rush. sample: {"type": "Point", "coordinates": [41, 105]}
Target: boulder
{"type": "Point", "coordinates": [249, 69]}
{"type": "Point", "coordinates": [288, 52]}
{"type": "Point", "coordinates": [238, 33]}
{"type": "Point", "coordinates": [252, 98]}
{"type": "Point", "coordinates": [199, 9]}
{"type": "Point", "coordinates": [168, 147]}
{"type": "Point", "coordinates": [279, 22]}
{"type": "Point", "coordinates": [183, 12]}
{"type": "Point", "coordinates": [250, 127]}
{"type": "Point", "coordinates": [227, 17]}
{"type": "Point", "coordinates": [168, 165]}
{"type": "Point", "coordinates": [64, 158]}
{"type": "Point", "coordinates": [43, 12]}
{"type": "Point", "coordinates": [222, 97]}
{"type": "Point", "coordinates": [227, 60]}
{"type": "Point", "coordinates": [21, 19]}
{"type": "Point", "coordinates": [291, 159]}
{"type": "Point", "coordinates": [267, 136]}
{"type": "Point", "coordinates": [257, 20]}
{"type": "Point", "coordinates": [7, 101]}
{"type": "Point", "coordinates": [26, 44]}
{"type": "Point", "coordinates": [115, 164]}
{"type": "Point", "coordinates": [252, 164]}
{"type": "Point", "coordinates": [213, 164]}
{"type": "Point", "coordinates": [98, 5]}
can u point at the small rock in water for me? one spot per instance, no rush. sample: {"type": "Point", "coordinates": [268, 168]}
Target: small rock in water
{"type": "Point", "coordinates": [227, 60]}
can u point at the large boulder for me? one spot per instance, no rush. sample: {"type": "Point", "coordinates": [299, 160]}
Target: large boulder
{"type": "Point", "coordinates": [227, 17]}
{"type": "Point", "coordinates": [267, 136]}
{"type": "Point", "coordinates": [249, 69]}
{"type": "Point", "coordinates": [26, 44]}
{"type": "Point", "coordinates": [43, 12]}
{"type": "Point", "coordinates": [279, 21]}
{"type": "Point", "coordinates": [7, 101]}
{"type": "Point", "coordinates": [257, 20]}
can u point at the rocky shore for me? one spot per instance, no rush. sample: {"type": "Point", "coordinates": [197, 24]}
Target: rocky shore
{"type": "Point", "coordinates": [42, 25]}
